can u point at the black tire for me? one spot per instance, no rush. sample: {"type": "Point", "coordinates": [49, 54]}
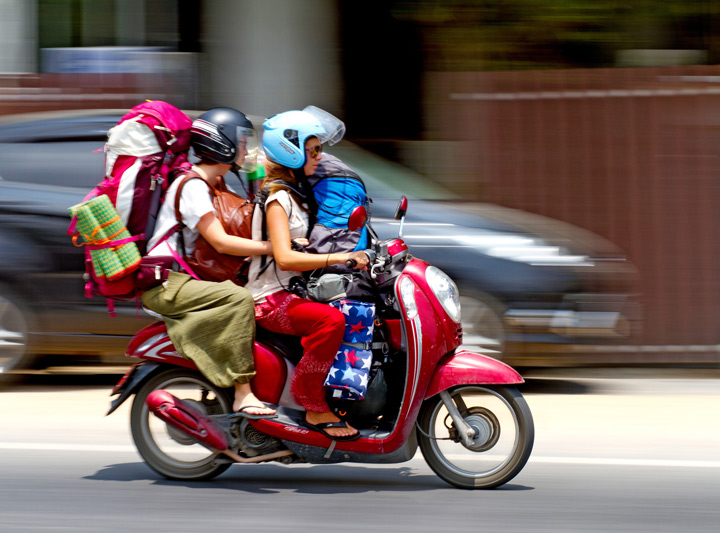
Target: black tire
{"type": "Point", "coordinates": [504, 441]}
{"type": "Point", "coordinates": [167, 450]}
{"type": "Point", "coordinates": [15, 325]}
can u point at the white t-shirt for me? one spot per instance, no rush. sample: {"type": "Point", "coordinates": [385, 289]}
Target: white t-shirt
{"type": "Point", "coordinates": [195, 201]}
{"type": "Point", "coordinates": [273, 279]}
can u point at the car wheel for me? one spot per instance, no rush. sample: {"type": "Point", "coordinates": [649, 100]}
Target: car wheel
{"type": "Point", "coordinates": [13, 333]}
{"type": "Point", "coordinates": [482, 322]}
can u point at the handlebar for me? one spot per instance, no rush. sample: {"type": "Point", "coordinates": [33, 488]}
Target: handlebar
{"type": "Point", "coordinates": [351, 263]}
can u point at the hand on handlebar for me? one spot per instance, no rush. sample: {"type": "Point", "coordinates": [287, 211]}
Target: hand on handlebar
{"type": "Point", "coordinates": [358, 260]}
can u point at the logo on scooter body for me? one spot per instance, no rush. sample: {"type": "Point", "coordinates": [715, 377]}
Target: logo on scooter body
{"type": "Point", "coordinates": [296, 430]}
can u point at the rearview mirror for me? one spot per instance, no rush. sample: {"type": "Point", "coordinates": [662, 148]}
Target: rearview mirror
{"type": "Point", "coordinates": [357, 219]}
{"type": "Point", "coordinates": [401, 208]}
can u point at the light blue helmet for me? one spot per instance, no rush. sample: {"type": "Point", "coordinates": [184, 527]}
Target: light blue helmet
{"type": "Point", "coordinates": [286, 133]}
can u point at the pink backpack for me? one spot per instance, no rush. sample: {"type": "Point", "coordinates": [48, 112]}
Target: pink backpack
{"type": "Point", "coordinates": [144, 152]}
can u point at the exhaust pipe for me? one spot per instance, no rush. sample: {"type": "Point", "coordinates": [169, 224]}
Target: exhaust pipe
{"type": "Point", "coordinates": [187, 419]}
{"type": "Point", "coordinates": [199, 426]}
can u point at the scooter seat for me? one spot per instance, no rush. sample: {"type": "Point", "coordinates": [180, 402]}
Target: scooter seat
{"type": "Point", "coordinates": [288, 345]}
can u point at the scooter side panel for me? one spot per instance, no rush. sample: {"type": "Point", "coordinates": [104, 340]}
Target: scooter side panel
{"type": "Point", "coordinates": [270, 374]}
{"type": "Point", "coordinates": [466, 368]}
{"type": "Point", "coordinates": [153, 344]}
{"type": "Point", "coordinates": [426, 341]}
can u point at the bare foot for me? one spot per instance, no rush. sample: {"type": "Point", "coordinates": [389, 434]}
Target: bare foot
{"type": "Point", "coordinates": [315, 418]}
{"type": "Point", "coordinates": [244, 397]}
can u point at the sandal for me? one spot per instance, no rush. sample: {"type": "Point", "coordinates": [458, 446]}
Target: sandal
{"type": "Point", "coordinates": [242, 414]}
{"type": "Point", "coordinates": [321, 427]}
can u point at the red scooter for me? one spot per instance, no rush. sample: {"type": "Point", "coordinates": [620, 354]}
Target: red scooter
{"type": "Point", "coordinates": [473, 427]}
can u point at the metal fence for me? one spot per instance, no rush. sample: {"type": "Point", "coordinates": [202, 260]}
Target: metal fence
{"type": "Point", "coordinates": [630, 154]}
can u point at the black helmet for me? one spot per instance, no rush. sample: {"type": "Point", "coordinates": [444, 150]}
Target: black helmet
{"type": "Point", "coordinates": [216, 134]}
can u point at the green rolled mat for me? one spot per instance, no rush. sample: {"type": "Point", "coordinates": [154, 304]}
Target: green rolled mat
{"type": "Point", "coordinates": [99, 223]}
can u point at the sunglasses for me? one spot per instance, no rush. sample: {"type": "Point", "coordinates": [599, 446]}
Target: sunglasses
{"type": "Point", "coordinates": [315, 150]}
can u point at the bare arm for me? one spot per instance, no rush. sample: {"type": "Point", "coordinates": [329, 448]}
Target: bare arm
{"type": "Point", "coordinates": [288, 259]}
{"type": "Point", "coordinates": [213, 232]}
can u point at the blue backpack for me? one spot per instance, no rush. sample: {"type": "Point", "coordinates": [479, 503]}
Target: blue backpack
{"type": "Point", "coordinates": [338, 190]}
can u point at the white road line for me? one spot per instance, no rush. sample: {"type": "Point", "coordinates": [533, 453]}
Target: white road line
{"type": "Point", "coordinates": [671, 463]}
{"type": "Point", "coordinates": [675, 463]}
{"type": "Point", "coordinates": [69, 447]}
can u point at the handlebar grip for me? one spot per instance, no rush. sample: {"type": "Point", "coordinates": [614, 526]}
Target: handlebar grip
{"type": "Point", "coordinates": [351, 263]}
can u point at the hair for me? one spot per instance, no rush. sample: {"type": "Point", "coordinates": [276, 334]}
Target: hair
{"type": "Point", "coordinates": [291, 177]}
{"type": "Point", "coordinates": [274, 172]}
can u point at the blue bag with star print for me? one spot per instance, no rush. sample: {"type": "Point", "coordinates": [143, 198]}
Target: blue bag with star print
{"type": "Point", "coordinates": [349, 373]}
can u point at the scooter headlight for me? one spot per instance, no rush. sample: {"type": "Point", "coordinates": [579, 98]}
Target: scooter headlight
{"type": "Point", "coordinates": [445, 291]}
{"type": "Point", "coordinates": [407, 293]}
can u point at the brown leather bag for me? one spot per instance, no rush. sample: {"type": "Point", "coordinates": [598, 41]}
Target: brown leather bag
{"type": "Point", "coordinates": [235, 214]}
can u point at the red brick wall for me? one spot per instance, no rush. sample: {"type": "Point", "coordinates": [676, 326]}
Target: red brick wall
{"type": "Point", "coordinates": [630, 154]}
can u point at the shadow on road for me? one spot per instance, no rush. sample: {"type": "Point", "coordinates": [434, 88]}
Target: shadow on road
{"type": "Point", "coordinates": [303, 479]}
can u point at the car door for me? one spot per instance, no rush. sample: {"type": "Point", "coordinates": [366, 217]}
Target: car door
{"type": "Point", "coordinates": [45, 167]}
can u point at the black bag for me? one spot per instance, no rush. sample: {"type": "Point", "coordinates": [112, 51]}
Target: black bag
{"type": "Point", "coordinates": [363, 413]}
{"type": "Point", "coordinates": [330, 287]}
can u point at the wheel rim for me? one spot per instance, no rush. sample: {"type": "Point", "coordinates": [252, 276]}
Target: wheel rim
{"type": "Point", "coordinates": [486, 427]}
{"type": "Point", "coordinates": [483, 328]}
{"type": "Point", "coordinates": [492, 450]}
{"type": "Point", "coordinates": [13, 335]}
{"type": "Point", "coordinates": [171, 446]}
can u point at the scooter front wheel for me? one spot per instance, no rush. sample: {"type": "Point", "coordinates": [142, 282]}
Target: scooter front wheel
{"type": "Point", "coordinates": [503, 429]}
{"type": "Point", "coordinates": [167, 450]}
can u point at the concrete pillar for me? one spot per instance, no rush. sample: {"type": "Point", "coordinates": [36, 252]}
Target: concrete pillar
{"type": "Point", "coordinates": [130, 23]}
{"type": "Point", "coordinates": [18, 36]}
{"type": "Point", "coordinates": [267, 56]}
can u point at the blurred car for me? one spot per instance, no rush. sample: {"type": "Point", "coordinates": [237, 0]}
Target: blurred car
{"type": "Point", "coordinates": [531, 287]}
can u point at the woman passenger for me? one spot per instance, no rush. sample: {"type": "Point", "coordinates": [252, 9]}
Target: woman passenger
{"type": "Point", "coordinates": [212, 324]}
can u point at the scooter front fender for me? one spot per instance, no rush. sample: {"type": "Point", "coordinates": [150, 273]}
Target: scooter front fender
{"type": "Point", "coordinates": [466, 368]}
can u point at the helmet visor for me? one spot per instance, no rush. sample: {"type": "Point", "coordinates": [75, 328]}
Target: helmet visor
{"type": "Point", "coordinates": [333, 126]}
{"type": "Point", "coordinates": [248, 144]}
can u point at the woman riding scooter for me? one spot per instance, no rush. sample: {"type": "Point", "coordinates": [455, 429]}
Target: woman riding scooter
{"type": "Point", "coordinates": [293, 145]}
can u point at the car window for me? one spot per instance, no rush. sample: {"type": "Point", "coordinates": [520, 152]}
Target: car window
{"type": "Point", "coordinates": [67, 151]}
{"type": "Point", "coordinates": [84, 128]}
{"type": "Point", "coordinates": [62, 151]}
{"type": "Point", "coordinates": [67, 164]}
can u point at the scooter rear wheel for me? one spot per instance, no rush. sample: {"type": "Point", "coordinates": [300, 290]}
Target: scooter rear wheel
{"type": "Point", "coordinates": [167, 450]}
{"type": "Point", "coordinates": [504, 436]}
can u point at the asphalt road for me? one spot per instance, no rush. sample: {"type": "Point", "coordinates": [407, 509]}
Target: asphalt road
{"type": "Point", "coordinates": [633, 454]}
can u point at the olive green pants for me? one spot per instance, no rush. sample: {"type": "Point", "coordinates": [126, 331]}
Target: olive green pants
{"type": "Point", "coordinates": [212, 324]}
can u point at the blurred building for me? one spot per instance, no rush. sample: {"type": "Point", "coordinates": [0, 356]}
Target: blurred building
{"type": "Point", "coordinates": [632, 154]}
{"type": "Point", "coordinates": [353, 59]}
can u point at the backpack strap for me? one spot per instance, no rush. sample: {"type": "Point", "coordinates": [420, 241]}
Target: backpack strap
{"type": "Point", "coordinates": [185, 178]}
{"type": "Point", "coordinates": [180, 261]}
{"type": "Point", "coordinates": [180, 225]}
{"type": "Point", "coordinates": [301, 192]}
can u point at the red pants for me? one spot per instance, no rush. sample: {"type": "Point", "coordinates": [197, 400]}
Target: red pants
{"type": "Point", "coordinates": [321, 327]}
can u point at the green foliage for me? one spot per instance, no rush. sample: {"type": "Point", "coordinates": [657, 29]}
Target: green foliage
{"type": "Point", "coordinates": [520, 34]}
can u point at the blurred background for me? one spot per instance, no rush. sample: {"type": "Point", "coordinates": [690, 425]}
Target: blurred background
{"type": "Point", "coordinates": [603, 114]}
